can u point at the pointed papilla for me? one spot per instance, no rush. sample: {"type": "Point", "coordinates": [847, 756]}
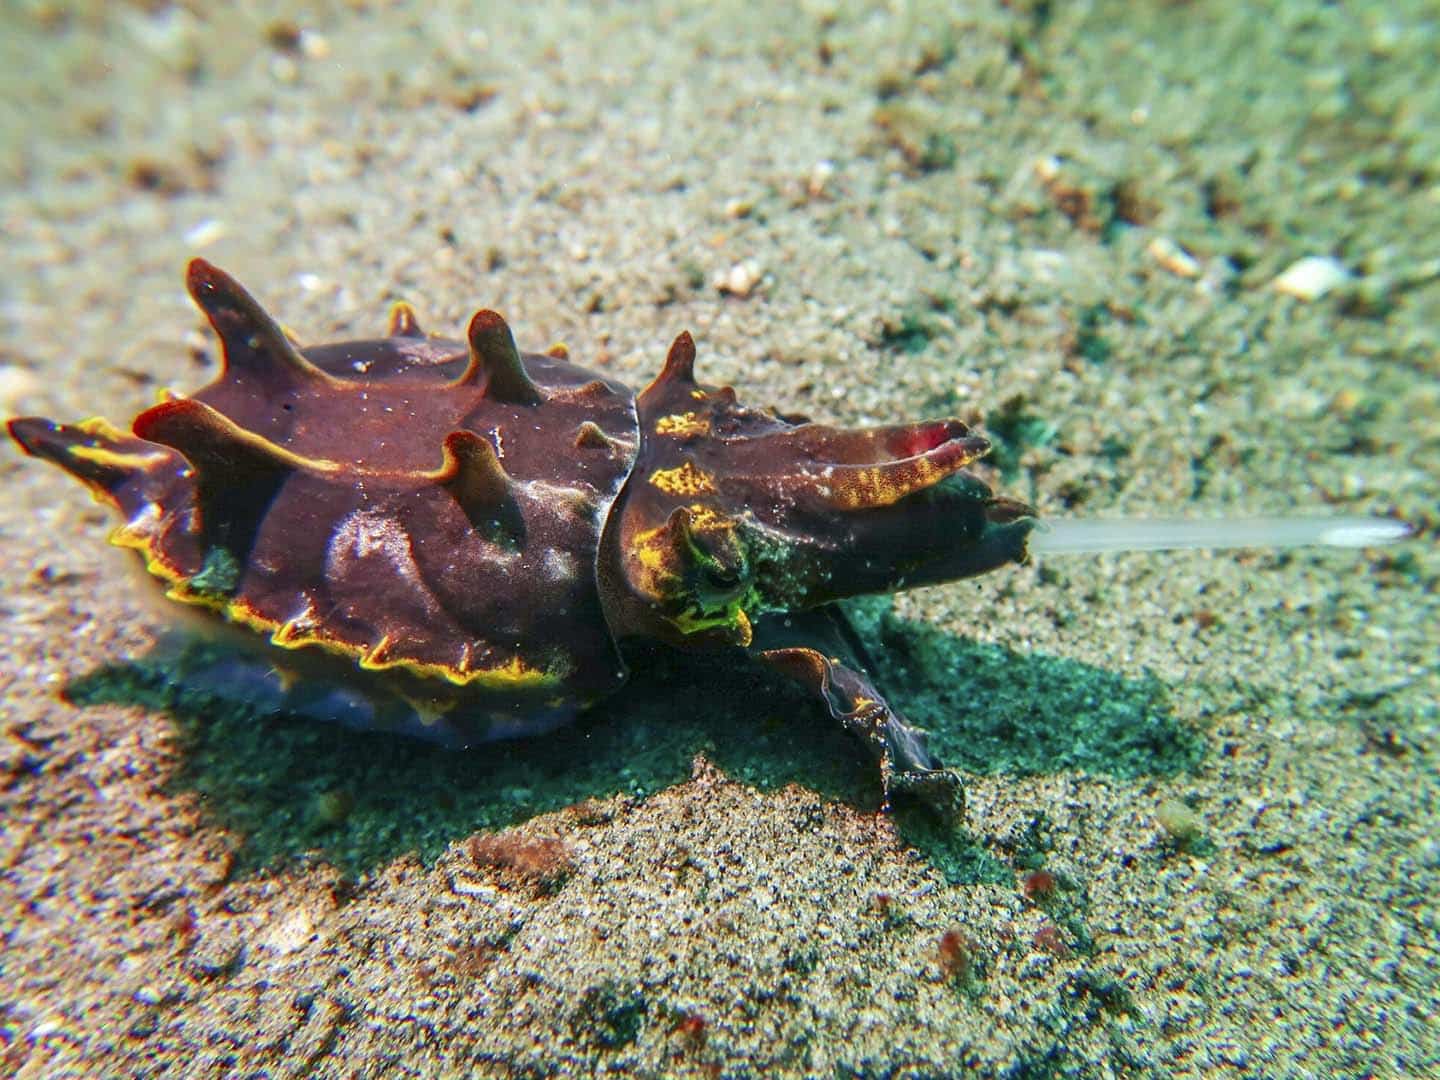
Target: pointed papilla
{"type": "Point", "coordinates": [236, 472]}
{"type": "Point", "coordinates": [590, 436]}
{"type": "Point", "coordinates": [495, 363]}
{"type": "Point", "coordinates": [677, 377]}
{"type": "Point", "coordinates": [403, 321]}
{"type": "Point", "coordinates": [255, 346]}
{"type": "Point", "coordinates": [472, 473]}
{"type": "Point", "coordinates": [679, 362]}
{"type": "Point", "coordinates": [209, 440]}
{"type": "Point", "coordinates": [680, 528]}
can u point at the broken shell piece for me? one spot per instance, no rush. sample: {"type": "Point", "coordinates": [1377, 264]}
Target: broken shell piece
{"type": "Point", "coordinates": [820, 175]}
{"type": "Point", "coordinates": [1173, 257]}
{"type": "Point", "coordinates": [1311, 278]}
{"type": "Point", "coordinates": [205, 233]}
{"type": "Point", "coordinates": [16, 384]}
{"type": "Point", "coordinates": [740, 280]}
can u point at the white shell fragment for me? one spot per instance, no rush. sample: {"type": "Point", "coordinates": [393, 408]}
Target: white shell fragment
{"type": "Point", "coordinates": [1173, 257]}
{"type": "Point", "coordinates": [205, 233]}
{"type": "Point", "coordinates": [1311, 278]}
{"type": "Point", "coordinates": [16, 384]}
{"type": "Point", "coordinates": [740, 280]}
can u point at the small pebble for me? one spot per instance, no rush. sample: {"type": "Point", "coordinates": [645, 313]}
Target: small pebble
{"type": "Point", "coordinates": [314, 46]}
{"type": "Point", "coordinates": [284, 69]}
{"type": "Point", "coordinates": [1179, 821]}
{"type": "Point", "coordinates": [150, 994]}
{"type": "Point", "coordinates": [215, 954]}
{"type": "Point", "coordinates": [819, 179]}
{"type": "Point", "coordinates": [45, 1029]}
{"type": "Point", "coordinates": [331, 808]}
{"type": "Point", "coordinates": [1311, 278]}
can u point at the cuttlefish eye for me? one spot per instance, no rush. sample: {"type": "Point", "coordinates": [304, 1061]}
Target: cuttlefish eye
{"type": "Point", "coordinates": [721, 578]}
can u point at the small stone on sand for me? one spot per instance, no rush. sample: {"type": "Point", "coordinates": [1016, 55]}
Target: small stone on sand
{"type": "Point", "coordinates": [1311, 278]}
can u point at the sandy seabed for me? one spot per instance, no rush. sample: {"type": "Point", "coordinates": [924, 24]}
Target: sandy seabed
{"type": "Point", "coordinates": [1062, 221]}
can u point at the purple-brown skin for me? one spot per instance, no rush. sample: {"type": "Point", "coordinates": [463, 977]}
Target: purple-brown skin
{"type": "Point", "coordinates": [457, 540]}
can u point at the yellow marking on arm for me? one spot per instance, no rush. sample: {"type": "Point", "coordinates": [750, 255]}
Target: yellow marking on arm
{"type": "Point", "coordinates": [886, 484]}
{"type": "Point", "coordinates": [706, 519]}
{"type": "Point", "coordinates": [681, 424]}
{"type": "Point", "coordinates": [684, 479]}
{"type": "Point", "coordinates": [97, 427]}
{"type": "Point", "coordinates": [655, 557]}
{"type": "Point", "coordinates": [119, 459]}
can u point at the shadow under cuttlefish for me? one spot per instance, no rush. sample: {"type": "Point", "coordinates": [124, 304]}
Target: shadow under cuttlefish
{"type": "Point", "coordinates": [291, 787]}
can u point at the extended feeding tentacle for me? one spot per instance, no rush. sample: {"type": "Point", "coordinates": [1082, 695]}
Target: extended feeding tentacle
{"type": "Point", "coordinates": [1100, 535]}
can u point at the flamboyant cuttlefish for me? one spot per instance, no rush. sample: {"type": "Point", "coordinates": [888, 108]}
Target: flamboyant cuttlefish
{"type": "Point", "coordinates": [458, 540]}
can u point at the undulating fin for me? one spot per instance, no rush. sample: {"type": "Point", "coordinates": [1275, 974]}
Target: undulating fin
{"type": "Point", "coordinates": [680, 527]}
{"type": "Point", "coordinates": [255, 346]}
{"type": "Point", "coordinates": [558, 351]}
{"type": "Point", "coordinates": [403, 321]}
{"type": "Point", "coordinates": [472, 473]}
{"type": "Point", "coordinates": [495, 363]}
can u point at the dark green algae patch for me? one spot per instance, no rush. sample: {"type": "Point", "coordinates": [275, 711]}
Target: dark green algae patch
{"type": "Point", "coordinates": [295, 789]}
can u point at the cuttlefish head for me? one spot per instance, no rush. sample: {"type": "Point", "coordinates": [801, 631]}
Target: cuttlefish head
{"type": "Point", "coordinates": [732, 512]}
